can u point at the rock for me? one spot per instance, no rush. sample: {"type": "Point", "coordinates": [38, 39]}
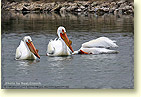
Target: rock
{"type": "Point", "coordinates": [105, 9]}
{"type": "Point", "coordinates": [57, 8]}
{"type": "Point", "coordinates": [69, 9]}
{"type": "Point", "coordinates": [31, 7]}
{"type": "Point", "coordinates": [131, 4]}
{"type": "Point", "coordinates": [26, 4]}
{"type": "Point", "coordinates": [96, 8]}
{"type": "Point", "coordinates": [63, 9]}
{"type": "Point", "coordinates": [92, 9]}
{"type": "Point", "coordinates": [72, 8]}
{"type": "Point", "coordinates": [86, 4]}
{"type": "Point", "coordinates": [78, 10]}
{"type": "Point", "coordinates": [111, 10]}
{"type": "Point", "coordinates": [124, 8]}
{"type": "Point", "coordinates": [105, 5]}
{"type": "Point", "coordinates": [122, 5]}
{"type": "Point", "coordinates": [25, 9]}
{"type": "Point", "coordinates": [113, 4]}
{"type": "Point", "coordinates": [132, 8]}
{"type": "Point", "coordinates": [120, 11]}
{"type": "Point", "coordinates": [127, 10]}
{"type": "Point", "coordinates": [125, 13]}
{"type": "Point", "coordinates": [127, 7]}
{"type": "Point", "coordinates": [94, 4]}
{"type": "Point", "coordinates": [19, 7]}
{"type": "Point", "coordinates": [121, 2]}
{"type": "Point", "coordinates": [116, 12]}
{"type": "Point", "coordinates": [13, 4]}
{"type": "Point", "coordinates": [100, 11]}
{"type": "Point", "coordinates": [47, 7]}
{"type": "Point", "coordinates": [82, 7]}
{"type": "Point", "coordinates": [130, 11]}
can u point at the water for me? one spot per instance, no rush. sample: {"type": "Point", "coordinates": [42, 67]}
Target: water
{"type": "Point", "coordinates": [76, 71]}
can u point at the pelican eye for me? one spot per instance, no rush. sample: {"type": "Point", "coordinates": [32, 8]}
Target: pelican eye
{"type": "Point", "coordinates": [63, 30]}
{"type": "Point", "coordinates": [29, 41]}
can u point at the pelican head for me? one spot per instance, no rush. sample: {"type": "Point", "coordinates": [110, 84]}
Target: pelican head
{"type": "Point", "coordinates": [61, 31]}
{"type": "Point", "coordinates": [28, 41]}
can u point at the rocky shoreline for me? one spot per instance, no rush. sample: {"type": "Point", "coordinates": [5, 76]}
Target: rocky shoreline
{"type": "Point", "coordinates": [123, 7]}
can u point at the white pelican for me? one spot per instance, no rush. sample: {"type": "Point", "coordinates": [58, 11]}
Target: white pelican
{"type": "Point", "coordinates": [61, 46]}
{"type": "Point", "coordinates": [26, 50]}
{"type": "Point", "coordinates": [97, 46]}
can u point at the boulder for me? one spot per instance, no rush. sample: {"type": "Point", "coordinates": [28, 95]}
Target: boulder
{"type": "Point", "coordinates": [100, 11]}
{"type": "Point", "coordinates": [112, 4]}
{"type": "Point", "coordinates": [72, 8]}
{"type": "Point", "coordinates": [26, 4]}
{"type": "Point", "coordinates": [105, 9]}
{"type": "Point", "coordinates": [86, 4]}
{"type": "Point", "coordinates": [128, 10]}
{"type": "Point", "coordinates": [121, 2]}
{"type": "Point", "coordinates": [78, 10]}
{"type": "Point", "coordinates": [120, 11]}
{"type": "Point", "coordinates": [19, 7]}
{"type": "Point", "coordinates": [82, 7]}
{"type": "Point", "coordinates": [116, 11]}
{"type": "Point", "coordinates": [63, 9]}
{"type": "Point", "coordinates": [94, 4]}
{"type": "Point", "coordinates": [47, 7]}
{"type": "Point", "coordinates": [69, 9]}
{"type": "Point", "coordinates": [25, 9]}
{"type": "Point", "coordinates": [105, 5]}
{"type": "Point", "coordinates": [57, 8]}
{"type": "Point", "coordinates": [111, 10]}
{"type": "Point", "coordinates": [122, 5]}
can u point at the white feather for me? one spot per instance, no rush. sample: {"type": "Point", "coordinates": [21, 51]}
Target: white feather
{"type": "Point", "coordinates": [98, 50]}
{"type": "Point", "coordinates": [23, 52]}
{"type": "Point", "coordinates": [57, 48]}
{"type": "Point", "coordinates": [100, 42]}
{"type": "Point", "coordinates": [98, 46]}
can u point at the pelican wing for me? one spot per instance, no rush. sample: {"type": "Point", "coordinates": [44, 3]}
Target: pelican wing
{"type": "Point", "coordinates": [99, 51]}
{"type": "Point", "coordinates": [50, 49]}
{"type": "Point", "coordinates": [18, 53]}
{"type": "Point", "coordinates": [100, 42]}
{"type": "Point", "coordinates": [21, 50]}
{"type": "Point", "coordinates": [54, 47]}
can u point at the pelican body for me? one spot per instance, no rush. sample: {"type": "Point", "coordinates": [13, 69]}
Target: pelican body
{"type": "Point", "coordinates": [100, 45]}
{"type": "Point", "coordinates": [61, 46]}
{"type": "Point", "coordinates": [26, 50]}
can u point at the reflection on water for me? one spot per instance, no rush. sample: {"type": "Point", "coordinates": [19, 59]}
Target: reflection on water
{"type": "Point", "coordinates": [27, 62]}
{"type": "Point", "coordinates": [49, 22]}
{"type": "Point", "coordinates": [24, 65]}
{"type": "Point", "coordinates": [59, 58]}
{"type": "Point", "coordinates": [76, 71]}
{"type": "Point", "coordinates": [101, 57]}
{"type": "Point", "coordinates": [59, 61]}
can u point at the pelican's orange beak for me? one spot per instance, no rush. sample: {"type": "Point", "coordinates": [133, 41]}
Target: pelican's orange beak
{"type": "Point", "coordinates": [32, 48]}
{"type": "Point", "coordinates": [66, 40]}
